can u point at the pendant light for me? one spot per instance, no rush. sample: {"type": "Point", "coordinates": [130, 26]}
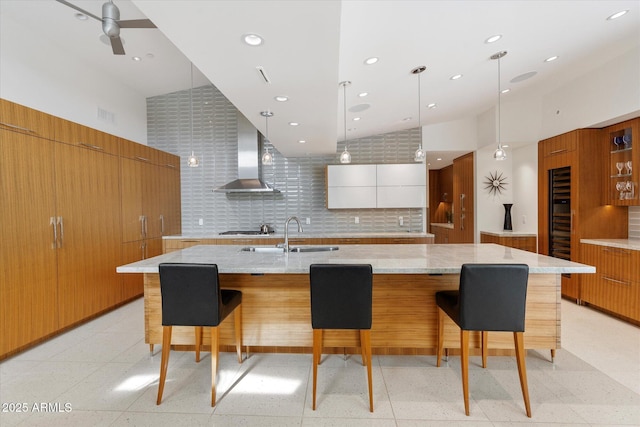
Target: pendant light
{"type": "Point", "coordinates": [267, 157]}
{"type": "Point", "coordinates": [345, 157]}
{"type": "Point", "coordinates": [419, 155]}
{"type": "Point", "coordinates": [499, 154]}
{"type": "Point", "coordinates": [192, 160]}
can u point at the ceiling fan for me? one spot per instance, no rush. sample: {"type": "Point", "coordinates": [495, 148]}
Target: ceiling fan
{"type": "Point", "coordinates": [111, 23]}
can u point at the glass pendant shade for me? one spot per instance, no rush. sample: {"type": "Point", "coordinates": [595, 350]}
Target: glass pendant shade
{"type": "Point", "coordinates": [267, 158]}
{"type": "Point", "coordinates": [345, 157]}
{"type": "Point", "coordinates": [193, 161]}
{"type": "Point", "coordinates": [420, 155]}
{"type": "Point", "coordinates": [499, 154]}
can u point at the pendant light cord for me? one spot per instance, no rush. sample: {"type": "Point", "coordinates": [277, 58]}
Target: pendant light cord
{"type": "Point", "coordinates": [344, 98]}
{"type": "Point", "coordinates": [191, 109]}
{"type": "Point", "coordinates": [499, 107]}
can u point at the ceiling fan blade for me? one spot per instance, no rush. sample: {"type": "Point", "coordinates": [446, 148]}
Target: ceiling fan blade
{"type": "Point", "coordinates": [137, 23]}
{"type": "Point", "coordinates": [84, 12]}
{"type": "Point", "coordinates": [116, 45]}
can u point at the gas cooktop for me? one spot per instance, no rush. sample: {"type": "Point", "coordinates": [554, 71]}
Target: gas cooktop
{"type": "Point", "coordinates": [250, 233]}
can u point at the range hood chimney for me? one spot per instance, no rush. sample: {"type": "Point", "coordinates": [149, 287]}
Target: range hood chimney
{"type": "Point", "coordinates": [248, 162]}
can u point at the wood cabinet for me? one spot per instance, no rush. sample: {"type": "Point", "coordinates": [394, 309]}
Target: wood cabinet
{"type": "Point", "coordinates": [574, 160]}
{"type": "Point", "coordinates": [28, 252]}
{"type": "Point", "coordinates": [615, 286]}
{"type": "Point", "coordinates": [622, 175]}
{"type": "Point", "coordinates": [525, 243]}
{"type": "Point", "coordinates": [61, 225]}
{"type": "Point", "coordinates": [441, 233]}
{"type": "Point", "coordinates": [463, 200]}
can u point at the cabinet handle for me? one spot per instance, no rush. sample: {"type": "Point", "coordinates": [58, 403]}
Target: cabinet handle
{"type": "Point", "coordinates": [143, 159]}
{"type": "Point", "coordinates": [17, 127]}
{"type": "Point", "coordinates": [61, 223]}
{"type": "Point", "coordinates": [93, 147]}
{"type": "Point", "coordinates": [170, 165]}
{"type": "Point", "coordinates": [190, 241]}
{"type": "Point", "coordinates": [558, 151]}
{"type": "Point", "coordinates": [146, 228]}
{"type": "Point", "coordinates": [141, 219]}
{"type": "Point", "coordinates": [621, 282]}
{"type": "Point", "coordinates": [143, 247]}
{"type": "Point", "coordinates": [617, 251]}
{"type": "Point", "coordinates": [162, 225]}
{"type": "Point", "coordinates": [52, 222]}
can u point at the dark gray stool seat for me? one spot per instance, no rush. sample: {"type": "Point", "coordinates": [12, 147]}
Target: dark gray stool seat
{"type": "Point", "coordinates": [341, 298]}
{"type": "Point", "coordinates": [191, 296]}
{"type": "Point", "coordinates": [491, 297]}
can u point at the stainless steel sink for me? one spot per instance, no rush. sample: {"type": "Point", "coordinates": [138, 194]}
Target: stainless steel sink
{"type": "Point", "coordinates": [313, 248]}
{"type": "Point", "coordinates": [277, 250]}
{"type": "Point", "coordinates": [268, 250]}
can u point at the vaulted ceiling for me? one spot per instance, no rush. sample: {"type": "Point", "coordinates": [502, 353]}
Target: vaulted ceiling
{"type": "Point", "coordinates": [311, 46]}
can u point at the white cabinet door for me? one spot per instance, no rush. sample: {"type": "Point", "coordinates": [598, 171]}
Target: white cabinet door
{"type": "Point", "coordinates": [402, 186]}
{"type": "Point", "coordinates": [351, 197]}
{"type": "Point", "coordinates": [405, 174]}
{"type": "Point", "coordinates": [351, 175]}
{"type": "Point", "coordinates": [351, 186]}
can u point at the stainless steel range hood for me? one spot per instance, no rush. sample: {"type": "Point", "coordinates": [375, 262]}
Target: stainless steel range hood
{"type": "Point", "coordinates": [248, 162]}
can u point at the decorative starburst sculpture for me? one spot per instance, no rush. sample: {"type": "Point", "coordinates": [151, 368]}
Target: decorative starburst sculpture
{"type": "Point", "coordinates": [495, 183]}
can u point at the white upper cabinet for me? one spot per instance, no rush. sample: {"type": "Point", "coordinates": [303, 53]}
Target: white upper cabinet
{"type": "Point", "coordinates": [376, 186]}
{"type": "Point", "coordinates": [351, 186]}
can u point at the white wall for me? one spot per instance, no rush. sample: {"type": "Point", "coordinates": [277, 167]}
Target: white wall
{"type": "Point", "coordinates": [44, 77]}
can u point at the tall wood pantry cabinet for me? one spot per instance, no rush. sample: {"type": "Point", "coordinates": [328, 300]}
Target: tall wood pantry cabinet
{"type": "Point", "coordinates": [463, 200]}
{"type": "Point", "coordinates": [571, 201]}
{"type": "Point", "coordinates": [62, 234]}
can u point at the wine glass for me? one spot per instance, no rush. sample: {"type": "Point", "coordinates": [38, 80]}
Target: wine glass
{"type": "Point", "coordinates": [617, 142]}
{"type": "Point", "coordinates": [619, 165]}
{"type": "Point", "coordinates": [628, 164]}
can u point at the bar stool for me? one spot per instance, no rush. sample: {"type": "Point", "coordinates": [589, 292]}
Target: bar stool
{"type": "Point", "coordinates": [341, 298]}
{"type": "Point", "coordinates": [191, 296]}
{"type": "Point", "coordinates": [491, 297]}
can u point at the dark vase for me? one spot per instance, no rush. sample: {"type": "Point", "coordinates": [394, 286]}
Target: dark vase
{"type": "Point", "coordinates": [507, 217]}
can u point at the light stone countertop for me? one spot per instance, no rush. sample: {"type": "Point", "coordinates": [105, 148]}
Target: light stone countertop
{"type": "Point", "coordinates": [631, 244]}
{"type": "Point", "coordinates": [293, 234]}
{"type": "Point", "coordinates": [385, 259]}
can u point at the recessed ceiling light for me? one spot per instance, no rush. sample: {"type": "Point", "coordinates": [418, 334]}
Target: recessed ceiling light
{"type": "Point", "coordinates": [371, 61]}
{"type": "Point", "coordinates": [432, 105]}
{"type": "Point", "coordinates": [293, 123]}
{"type": "Point", "coordinates": [456, 77]}
{"type": "Point", "coordinates": [355, 119]}
{"type": "Point", "coordinates": [505, 145]}
{"type": "Point", "coordinates": [81, 16]}
{"type": "Point", "coordinates": [406, 119]}
{"type": "Point", "coordinates": [150, 55]}
{"type": "Point", "coordinates": [617, 15]}
{"type": "Point", "coordinates": [493, 39]}
{"type": "Point", "coordinates": [281, 98]}
{"type": "Point", "coordinates": [551, 58]}
{"type": "Point", "coordinates": [363, 94]}
{"type": "Point", "coordinates": [439, 158]}
{"type": "Point", "coordinates": [505, 91]}
{"type": "Point", "coordinates": [252, 39]}
{"type": "Point", "coordinates": [136, 58]}
{"type": "Point", "coordinates": [302, 141]}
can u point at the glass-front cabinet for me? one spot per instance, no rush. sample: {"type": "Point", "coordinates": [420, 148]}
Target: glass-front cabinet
{"type": "Point", "coordinates": [624, 161]}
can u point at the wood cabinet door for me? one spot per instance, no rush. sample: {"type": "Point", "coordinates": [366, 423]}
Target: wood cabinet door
{"type": "Point", "coordinates": [131, 175]}
{"type": "Point", "coordinates": [18, 118]}
{"type": "Point", "coordinates": [168, 194]}
{"type": "Point", "coordinates": [88, 208]}
{"type": "Point", "coordinates": [463, 200]}
{"type": "Point", "coordinates": [28, 285]}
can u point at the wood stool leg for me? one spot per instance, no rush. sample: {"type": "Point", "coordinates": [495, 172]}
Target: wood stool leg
{"type": "Point", "coordinates": [553, 355]}
{"type": "Point", "coordinates": [365, 342]}
{"type": "Point", "coordinates": [237, 320]}
{"type": "Point", "coordinates": [164, 362]}
{"type": "Point", "coordinates": [485, 342]}
{"type": "Point", "coordinates": [214, 362]}
{"type": "Point", "coordinates": [198, 342]}
{"type": "Point", "coordinates": [151, 349]}
{"type": "Point", "coordinates": [317, 352]}
{"type": "Point", "coordinates": [464, 364]}
{"type": "Point", "coordinates": [522, 369]}
{"type": "Point", "coordinates": [440, 336]}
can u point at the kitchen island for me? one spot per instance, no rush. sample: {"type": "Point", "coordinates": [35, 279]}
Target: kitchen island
{"type": "Point", "coordinates": [276, 309]}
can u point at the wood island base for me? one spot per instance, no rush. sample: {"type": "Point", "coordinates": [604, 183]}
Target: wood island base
{"type": "Point", "coordinates": [277, 317]}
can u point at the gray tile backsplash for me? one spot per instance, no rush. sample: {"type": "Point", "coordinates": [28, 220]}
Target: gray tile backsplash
{"type": "Point", "coordinates": [301, 180]}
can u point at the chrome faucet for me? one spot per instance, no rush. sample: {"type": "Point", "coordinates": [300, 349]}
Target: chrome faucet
{"type": "Point", "coordinates": [286, 231]}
